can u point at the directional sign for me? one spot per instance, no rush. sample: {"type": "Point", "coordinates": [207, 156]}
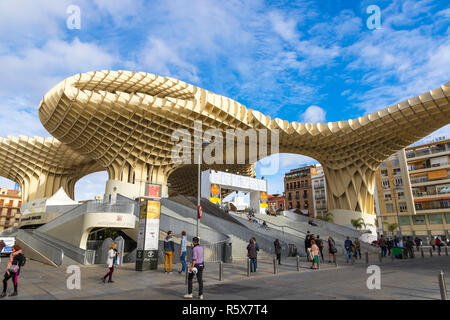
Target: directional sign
{"type": "Point", "coordinates": [200, 211]}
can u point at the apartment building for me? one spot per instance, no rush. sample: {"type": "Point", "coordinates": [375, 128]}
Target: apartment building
{"type": "Point", "coordinates": [10, 202]}
{"type": "Point", "coordinates": [319, 191]}
{"type": "Point", "coordinates": [298, 189]}
{"type": "Point", "coordinates": [415, 183]}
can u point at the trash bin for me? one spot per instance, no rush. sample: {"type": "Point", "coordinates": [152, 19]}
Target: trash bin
{"type": "Point", "coordinates": [228, 253]}
{"type": "Point", "coordinates": [292, 250]}
{"type": "Point", "coordinates": [397, 252]}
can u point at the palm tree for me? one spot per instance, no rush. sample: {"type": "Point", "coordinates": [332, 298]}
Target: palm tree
{"type": "Point", "coordinates": [391, 226]}
{"type": "Point", "coordinates": [326, 217]}
{"type": "Point", "coordinates": [358, 223]}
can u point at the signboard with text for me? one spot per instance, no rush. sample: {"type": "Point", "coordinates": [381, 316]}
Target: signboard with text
{"type": "Point", "coordinates": [148, 230]}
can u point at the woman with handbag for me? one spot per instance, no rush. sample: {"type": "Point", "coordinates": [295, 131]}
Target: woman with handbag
{"type": "Point", "coordinates": [13, 270]}
{"type": "Point", "coordinates": [112, 253]}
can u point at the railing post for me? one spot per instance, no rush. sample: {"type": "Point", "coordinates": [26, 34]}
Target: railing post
{"type": "Point", "coordinates": [274, 266]}
{"type": "Point", "coordinates": [431, 252]}
{"type": "Point", "coordinates": [439, 250]}
{"type": "Point", "coordinates": [220, 270]}
{"type": "Point", "coordinates": [248, 267]}
{"type": "Point", "coordinates": [442, 286]}
{"type": "Point", "coordinates": [298, 263]}
{"type": "Point", "coordinates": [367, 257]}
{"type": "Point", "coordinates": [421, 252]}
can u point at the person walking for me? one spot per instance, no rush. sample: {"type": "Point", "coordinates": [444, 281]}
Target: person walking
{"type": "Point", "coordinates": [253, 249]}
{"type": "Point", "coordinates": [383, 246]}
{"type": "Point", "coordinates": [348, 247]}
{"type": "Point", "coordinates": [314, 254]}
{"type": "Point", "coordinates": [433, 243]}
{"type": "Point", "coordinates": [277, 246]}
{"type": "Point", "coordinates": [15, 262]}
{"type": "Point", "coordinates": [357, 248]}
{"type": "Point", "coordinates": [319, 243]}
{"type": "Point", "coordinates": [183, 251]}
{"type": "Point", "coordinates": [112, 253]}
{"type": "Point", "coordinates": [196, 268]}
{"type": "Point", "coordinates": [417, 242]}
{"type": "Point", "coordinates": [410, 247]}
{"type": "Point", "coordinates": [307, 244]}
{"type": "Point", "coordinates": [169, 249]}
{"type": "Point", "coordinates": [389, 245]}
{"type": "Point", "coordinates": [331, 250]}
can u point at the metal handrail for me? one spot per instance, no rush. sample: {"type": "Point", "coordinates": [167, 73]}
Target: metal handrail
{"type": "Point", "coordinates": [50, 251]}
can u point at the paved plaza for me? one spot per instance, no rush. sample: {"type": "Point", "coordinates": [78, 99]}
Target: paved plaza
{"type": "Point", "coordinates": [400, 280]}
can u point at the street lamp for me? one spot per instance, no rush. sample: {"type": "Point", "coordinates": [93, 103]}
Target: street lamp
{"type": "Point", "coordinates": [204, 144]}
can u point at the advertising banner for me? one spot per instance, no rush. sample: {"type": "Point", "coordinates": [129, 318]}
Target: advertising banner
{"type": "Point", "coordinates": [263, 200]}
{"type": "Point", "coordinates": [148, 230]}
{"type": "Point", "coordinates": [215, 195]}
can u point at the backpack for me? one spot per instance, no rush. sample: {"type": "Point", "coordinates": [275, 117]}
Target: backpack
{"type": "Point", "coordinates": [22, 260]}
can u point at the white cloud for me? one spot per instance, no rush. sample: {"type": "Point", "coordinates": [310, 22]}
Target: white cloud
{"type": "Point", "coordinates": [314, 114]}
{"type": "Point", "coordinates": [91, 186]}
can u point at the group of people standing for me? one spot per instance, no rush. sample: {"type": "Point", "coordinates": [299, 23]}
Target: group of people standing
{"type": "Point", "coordinates": [314, 247]}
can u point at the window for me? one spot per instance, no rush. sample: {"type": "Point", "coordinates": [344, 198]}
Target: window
{"type": "Point", "coordinates": [305, 193]}
{"type": "Point", "coordinates": [387, 196]}
{"type": "Point", "coordinates": [297, 195]}
{"type": "Point", "coordinates": [418, 219]}
{"type": "Point", "coordinates": [303, 183]}
{"type": "Point", "coordinates": [290, 196]}
{"type": "Point", "coordinates": [384, 172]}
{"type": "Point", "coordinates": [385, 183]}
{"type": "Point", "coordinates": [435, 219]}
{"type": "Point", "coordinates": [306, 204]}
{"type": "Point", "coordinates": [447, 218]}
{"type": "Point", "coordinates": [398, 181]}
{"type": "Point", "coordinates": [389, 207]}
{"type": "Point", "coordinates": [404, 221]}
{"type": "Point", "coordinates": [395, 163]}
{"type": "Point", "coordinates": [298, 205]}
{"type": "Point", "coordinates": [306, 184]}
{"type": "Point", "coordinates": [402, 206]}
{"type": "Point", "coordinates": [287, 186]}
{"type": "Point", "coordinates": [401, 195]}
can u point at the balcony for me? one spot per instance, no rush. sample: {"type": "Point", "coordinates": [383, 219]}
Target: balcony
{"type": "Point", "coordinates": [425, 179]}
{"type": "Point", "coordinates": [415, 154]}
{"type": "Point", "coordinates": [432, 205]}
{"type": "Point", "coordinates": [423, 166]}
{"type": "Point", "coordinates": [319, 196]}
{"type": "Point", "coordinates": [443, 191]}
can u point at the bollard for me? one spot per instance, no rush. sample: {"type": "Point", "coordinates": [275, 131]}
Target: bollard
{"type": "Point", "coordinates": [274, 266]}
{"type": "Point", "coordinates": [421, 252]}
{"type": "Point", "coordinates": [187, 275]}
{"type": "Point", "coordinates": [220, 271]}
{"type": "Point", "coordinates": [335, 260]}
{"type": "Point", "coordinates": [439, 250]}
{"type": "Point", "coordinates": [367, 258]}
{"type": "Point", "coordinates": [442, 286]}
{"type": "Point", "coordinates": [298, 263]}
{"type": "Point", "coordinates": [431, 252]}
{"type": "Point", "coordinates": [248, 267]}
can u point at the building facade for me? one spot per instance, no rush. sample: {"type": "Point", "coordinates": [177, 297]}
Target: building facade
{"type": "Point", "coordinates": [319, 190]}
{"type": "Point", "coordinates": [415, 182]}
{"type": "Point", "coordinates": [10, 202]}
{"type": "Point", "coordinates": [277, 201]}
{"type": "Point", "coordinates": [298, 189]}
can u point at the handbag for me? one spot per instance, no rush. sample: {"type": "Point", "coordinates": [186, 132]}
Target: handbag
{"type": "Point", "coordinates": [14, 268]}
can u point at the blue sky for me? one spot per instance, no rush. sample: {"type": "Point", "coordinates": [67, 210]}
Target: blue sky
{"type": "Point", "coordinates": [314, 61]}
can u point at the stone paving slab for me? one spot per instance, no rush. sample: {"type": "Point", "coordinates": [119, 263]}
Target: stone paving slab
{"type": "Point", "coordinates": [401, 279]}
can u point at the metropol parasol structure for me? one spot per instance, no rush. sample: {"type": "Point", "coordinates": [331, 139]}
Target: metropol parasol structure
{"type": "Point", "coordinates": [122, 122]}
